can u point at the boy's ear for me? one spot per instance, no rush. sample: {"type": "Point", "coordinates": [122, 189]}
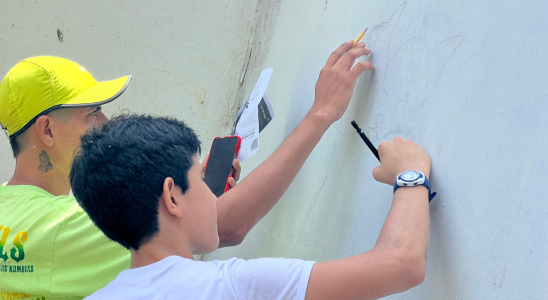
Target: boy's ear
{"type": "Point", "coordinates": [45, 131]}
{"type": "Point", "coordinates": [170, 198]}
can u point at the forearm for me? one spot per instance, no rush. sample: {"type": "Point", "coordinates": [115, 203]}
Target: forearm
{"type": "Point", "coordinates": [244, 205]}
{"type": "Point", "coordinates": [406, 230]}
{"type": "Point", "coordinates": [407, 224]}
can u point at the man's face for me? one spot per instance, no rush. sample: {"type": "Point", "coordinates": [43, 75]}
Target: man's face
{"type": "Point", "coordinates": [80, 120]}
{"type": "Point", "coordinates": [200, 212]}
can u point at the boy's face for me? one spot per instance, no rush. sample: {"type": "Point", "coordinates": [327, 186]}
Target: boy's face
{"type": "Point", "coordinates": [201, 212]}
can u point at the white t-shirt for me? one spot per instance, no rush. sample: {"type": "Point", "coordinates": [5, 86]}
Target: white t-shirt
{"type": "Point", "coordinates": [176, 277]}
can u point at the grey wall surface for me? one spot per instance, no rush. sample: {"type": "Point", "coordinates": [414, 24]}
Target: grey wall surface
{"type": "Point", "coordinates": [465, 79]}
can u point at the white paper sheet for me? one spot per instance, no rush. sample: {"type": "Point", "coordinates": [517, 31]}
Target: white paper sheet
{"type": "Point", "coordinates": [247, 127]}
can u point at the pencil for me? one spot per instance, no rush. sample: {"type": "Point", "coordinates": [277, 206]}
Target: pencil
{"type": "Point", "coordinates": [365, 139]}
{"type": "Point", "coordinates": [357, 40]}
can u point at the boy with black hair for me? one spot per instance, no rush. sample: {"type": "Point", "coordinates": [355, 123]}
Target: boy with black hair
{"type": "Point", "coordinates": [139, 180]}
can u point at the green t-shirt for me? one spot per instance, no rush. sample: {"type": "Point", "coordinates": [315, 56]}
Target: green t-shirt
{"type": "Point", "coordinates": [49, 248]}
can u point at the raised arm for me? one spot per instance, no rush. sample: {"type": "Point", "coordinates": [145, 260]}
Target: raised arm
{"type": "Point", "coordinates": [398, 260]}
{"type": "Point", "coordinates": [244, 205]}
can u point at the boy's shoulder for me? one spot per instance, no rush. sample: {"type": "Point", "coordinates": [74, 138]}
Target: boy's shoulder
{"type": "Point", "coordinates": [275, 278]}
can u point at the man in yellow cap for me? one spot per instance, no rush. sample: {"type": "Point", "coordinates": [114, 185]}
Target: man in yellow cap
{"type": "Point", "coordinates": [48, 245]}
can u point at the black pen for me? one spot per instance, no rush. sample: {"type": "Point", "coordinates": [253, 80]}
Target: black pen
{"type": "Point", "coordinates": [365, 139]}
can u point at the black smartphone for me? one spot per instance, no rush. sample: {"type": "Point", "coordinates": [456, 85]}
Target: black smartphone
{"type": "Point", "coordinates": [219, 165]}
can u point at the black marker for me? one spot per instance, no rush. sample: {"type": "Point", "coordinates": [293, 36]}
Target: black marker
{"type": "Point", "coordinates": [366, 140]}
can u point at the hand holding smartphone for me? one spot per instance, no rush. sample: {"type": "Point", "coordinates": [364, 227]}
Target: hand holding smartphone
{"type": "Point", "coordinates": [219, 165]}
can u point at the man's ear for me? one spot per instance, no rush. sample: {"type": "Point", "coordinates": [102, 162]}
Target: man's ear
{"type": "Point", "coordinates": [45, 131]}
{"type": "Point", "coordinates": [170, 198]}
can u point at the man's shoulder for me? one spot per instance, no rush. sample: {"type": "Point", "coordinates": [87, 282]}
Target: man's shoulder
{"type": "Point", "coordinates": [38, 228]}
{"type": "Point", "coordinates": [23, 195]}
{"type": "Point", "coordinates": [40, 214]}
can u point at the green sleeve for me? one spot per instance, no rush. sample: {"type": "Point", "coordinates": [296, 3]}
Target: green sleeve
{"type": "Point", "coordinates": [84, 260]}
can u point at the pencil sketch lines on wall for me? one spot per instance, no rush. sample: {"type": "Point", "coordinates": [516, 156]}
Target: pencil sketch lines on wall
{"type": "Point", "coordinates": [410, 59]}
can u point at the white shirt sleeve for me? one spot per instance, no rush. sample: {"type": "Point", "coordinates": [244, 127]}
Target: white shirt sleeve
{"type": "Point", "coordinates": [269, 278]}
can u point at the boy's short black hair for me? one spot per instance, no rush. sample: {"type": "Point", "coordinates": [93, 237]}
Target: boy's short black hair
{"type": "Point", "coordinates": [118, 174]}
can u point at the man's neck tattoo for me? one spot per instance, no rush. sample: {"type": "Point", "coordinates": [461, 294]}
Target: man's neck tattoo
{"type": "Point", "coordinates": [45, 164]}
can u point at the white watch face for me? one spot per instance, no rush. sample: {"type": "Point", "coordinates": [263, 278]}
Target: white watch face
{"type": "Point", "coordinates": [410, 175]}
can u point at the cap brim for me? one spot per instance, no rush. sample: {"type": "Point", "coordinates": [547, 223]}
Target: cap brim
{"type": "Point", "coordinates": [101, 93]}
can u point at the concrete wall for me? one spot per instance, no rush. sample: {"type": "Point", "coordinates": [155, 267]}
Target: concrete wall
{"type": "Point", "coordinates": [194, 60]}
{"type": "Point", "coordinates": [465, 79]}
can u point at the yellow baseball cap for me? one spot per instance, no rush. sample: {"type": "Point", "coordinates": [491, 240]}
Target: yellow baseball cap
{"type": "Point", "coordinates": [39, 85]}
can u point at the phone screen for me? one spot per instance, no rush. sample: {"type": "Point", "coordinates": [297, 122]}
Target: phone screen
{"type": "Point", "coordinates": [219, 165]}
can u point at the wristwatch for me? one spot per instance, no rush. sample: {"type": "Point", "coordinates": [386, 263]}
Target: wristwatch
{"type": "Point", "coordinates": [413, 178]}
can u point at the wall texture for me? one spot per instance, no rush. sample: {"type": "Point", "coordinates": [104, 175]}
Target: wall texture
{"type": "Point", "coordinates": [465, 79]}
{"type": "Point", "coordinates": [194, 60]}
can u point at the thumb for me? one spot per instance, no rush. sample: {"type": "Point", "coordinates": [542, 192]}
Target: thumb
{"type": "Point", "coordinates": [377, 174]}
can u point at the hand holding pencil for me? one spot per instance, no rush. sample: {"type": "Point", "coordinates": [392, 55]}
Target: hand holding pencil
{"type": "Point", "coordinates": [335, 86]}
